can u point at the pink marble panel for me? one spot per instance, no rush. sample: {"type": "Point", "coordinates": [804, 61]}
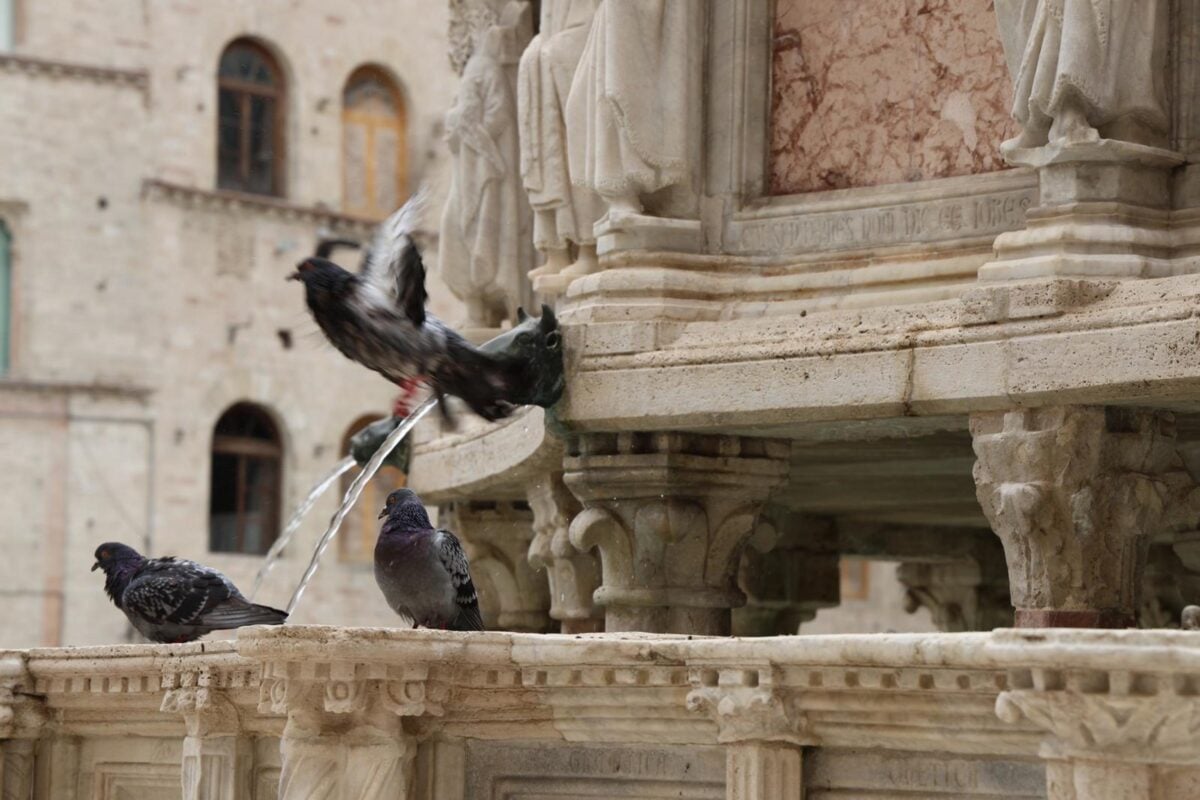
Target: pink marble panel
{"type": "Point", "coordinates": [868, 92]}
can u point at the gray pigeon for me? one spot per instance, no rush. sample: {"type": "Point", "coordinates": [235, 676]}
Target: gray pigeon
{"type": "Point", "coordinates": [421, 571]}
{"type": "Point", "coordinates": [171, 600]}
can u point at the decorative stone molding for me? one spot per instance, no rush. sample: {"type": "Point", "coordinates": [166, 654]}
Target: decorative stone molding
{"type": "Point", "coordinates": [346, 688]}
{"type": "Point", "coordinates": [670, 514]}
{"type": "Point", "coordinates": [573, 576]}
{"type": "Point", "coordinates": [138, 79]}
{"type": "Point", "coordinates": [513, 595]}
{"type": "Point", "coordinates": [238, 203]}
{"type": "Point", "coordinates": [1074, 494]}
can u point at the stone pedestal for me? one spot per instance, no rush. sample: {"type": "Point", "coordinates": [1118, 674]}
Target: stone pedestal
{"type": "Point", "coordinates": [1074, 493]}
{"type": "Point", "coordinates": [1104, 213]}
{"type": "Point", "coordinates": [573, 576]}
{"type": "Point", "coordinates": [670, 514]}
{"type": "Point", "coordinates": [496, 537]}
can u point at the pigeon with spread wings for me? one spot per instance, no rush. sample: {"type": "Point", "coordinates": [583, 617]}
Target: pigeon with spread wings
{"type": "Point", "coordinates": [377, 317]}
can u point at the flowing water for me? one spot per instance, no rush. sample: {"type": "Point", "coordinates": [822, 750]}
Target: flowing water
{"type": "Point", "coordinates": [352, 494]}
{"type": "Point", "coordinates": [293, 524]}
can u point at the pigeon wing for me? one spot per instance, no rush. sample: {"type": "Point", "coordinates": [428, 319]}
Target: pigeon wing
{"type": "Point", "coordinates": [455, 562]}
{"type": "Point", "coordinates": [393, 267]}
{"type": "Point", "coordinates": [176, 592]}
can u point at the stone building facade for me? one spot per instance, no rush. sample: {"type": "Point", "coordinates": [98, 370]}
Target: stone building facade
{"type": "Point", "coordinates": [144, 301]}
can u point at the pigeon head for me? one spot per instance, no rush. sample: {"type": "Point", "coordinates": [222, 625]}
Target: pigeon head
{"type": "Point", "coordinates": [114, 555]}
{"type": "Point", "coordinates": [321, 276]}
{"type": "Point", "coordinates": [119, 562]}
{"type": "Point", "coordinates": [404, 511]}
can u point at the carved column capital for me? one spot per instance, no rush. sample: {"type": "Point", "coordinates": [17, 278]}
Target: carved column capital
{"type": "Point", "coordinates": [748, 705]}
{"type": "Point", "coordinates": [347, 688]}
{"type": "Point", "coordinates": [573, 576]}
{"type": "Point", "coordinates": [1074, 492]}
{"type": "Point", "coordinates": [1110, 734]}
{"type": "Point", "coordinates": [21, 714]}
{"type": "Point", "coordinates": [670, 514]}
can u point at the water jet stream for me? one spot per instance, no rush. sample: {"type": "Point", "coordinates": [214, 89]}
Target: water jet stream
{"type": "Point", "coordinates": [356, 488]}
{"type": "Point", "coordinates": [293, 524]}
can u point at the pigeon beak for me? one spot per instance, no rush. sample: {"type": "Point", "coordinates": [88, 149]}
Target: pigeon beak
{"type": "Point", "coordinates": [95, 566]}
{"type": "Point", "coordinates": [382, 514]}
{"type": "Point", "coordinates": [295, 276]}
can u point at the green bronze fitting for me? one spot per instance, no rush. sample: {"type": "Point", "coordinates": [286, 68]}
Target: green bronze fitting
{"type": "Point", "coordinates": [535, 342]}
{"type": "Point", "coordinates": [364, 444]}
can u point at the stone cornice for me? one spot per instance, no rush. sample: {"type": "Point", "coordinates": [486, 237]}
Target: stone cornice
{"type": "Point", "coordinates": [1135, 691]}
{"type": "Point", "coordinates": [227, 202]}
{"type": "Point", "coordinates": [138, 79]}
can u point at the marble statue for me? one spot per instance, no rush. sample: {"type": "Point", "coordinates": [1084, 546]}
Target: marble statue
{"type": "Point", "coordinates": [564, 214]}
{"type": "Point", "coordinates": [1086, 69]}
{"type": "Point", "coordinates": [486, 245]}
{"type": "Point", "coordinates": [633, 113]}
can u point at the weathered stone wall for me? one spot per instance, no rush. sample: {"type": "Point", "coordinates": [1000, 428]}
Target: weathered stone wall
{"type": "Point", "coordinates": [130, 273]}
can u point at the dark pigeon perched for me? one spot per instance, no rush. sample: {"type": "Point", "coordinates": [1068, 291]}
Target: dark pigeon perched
{"type": "Point", "coordinates": [171, 600]}
{"type": "Point", "coordinates": [377, 317]}
{"type": "Point", "coordinates": [423, 572]}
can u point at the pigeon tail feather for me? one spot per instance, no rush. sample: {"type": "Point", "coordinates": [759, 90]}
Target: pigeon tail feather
{"type": "Point", "coordinates": [233, 615]}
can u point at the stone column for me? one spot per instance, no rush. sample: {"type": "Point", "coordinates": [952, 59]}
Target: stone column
{"type": "Point", "coordinates": [513, 595]}
{"type": "Point", "coordinates": [761, 727]}
{"type": "Point", "coordinates": [573, 576]}
{"type": "Point", "coordinates": [957, 593]}
{"type": "Point", "coordinates": [670, 514]}
{"type": "Point", "coordinates": [788, 572]}
{"type": "Point", "coordinates": [1109, 738]}
{"type": "Point", "coordinates": [344, 738]}
{"type": "Point", "coordinates": [1074, 493]}
{"type": "Point", "coordinates": [218, 762]}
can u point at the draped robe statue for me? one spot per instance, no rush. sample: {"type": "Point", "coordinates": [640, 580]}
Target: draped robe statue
{"type": "Point", "coordinates": [633, 114]}
{"type": "Point", "coordinates": [1083, 69]}
{"type": "Point", "coordinates": [485, 231]}
{"type": "Point", "coordinates": [564, 214]}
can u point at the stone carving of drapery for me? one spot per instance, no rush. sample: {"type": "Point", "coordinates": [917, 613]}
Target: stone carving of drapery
{"type": "Point", "coordinates": [1083, 69]}
{"type": "Point", "coordinates": [485, 229]}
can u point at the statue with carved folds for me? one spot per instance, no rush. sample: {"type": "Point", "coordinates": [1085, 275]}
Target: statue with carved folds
{"type": "Point", "coordinates": [564, 214]}
{"type": "Point", "coordinates": [1086, 69]}
{"type": "Point", "coordinates": [633, 114]}
{"type": "Point", "coordinates": [485, 230]}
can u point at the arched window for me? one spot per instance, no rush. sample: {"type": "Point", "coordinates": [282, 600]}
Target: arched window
{"type": "Point", "coordinates": [243, 506]}
{"type": "Point", "coordinates": [250, 120]}
{"type": "Point", "coordinates": [374, 144]}
{"type": "Point", "coordinates": [5, 298]}
{"type": "Point", "coordinates": [357, 541]}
